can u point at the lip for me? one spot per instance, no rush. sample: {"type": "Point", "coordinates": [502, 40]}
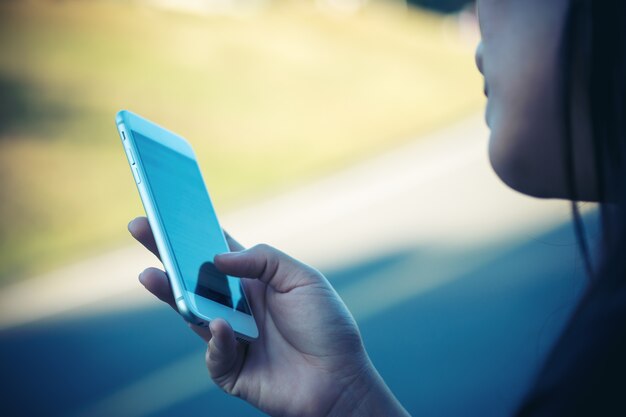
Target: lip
{"type": "Point", "coordinates": [478, 57]}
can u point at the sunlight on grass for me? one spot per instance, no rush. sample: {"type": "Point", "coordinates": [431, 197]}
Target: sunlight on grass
{"type": "Point", "coordinates": [269, 101]}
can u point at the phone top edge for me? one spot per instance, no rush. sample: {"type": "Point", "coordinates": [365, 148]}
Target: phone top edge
{"type": "Point", "coordinates": [135, 123]}
{"type": "Point", "coordinates": [119, 116]}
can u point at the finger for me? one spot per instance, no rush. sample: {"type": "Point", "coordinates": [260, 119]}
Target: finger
{"type": "Point", "coordinates": [140, 229]}
{"type": "Point", "coordinates": [269, 265]}
{"type": "Point", "coordinates": [232, 243]}
{"type": "Point", "coordinates": [222, 351]}
{"type": "Point", "coordinates": [203, 332]}
{"type": "Point", "coordinates": [157, 283]}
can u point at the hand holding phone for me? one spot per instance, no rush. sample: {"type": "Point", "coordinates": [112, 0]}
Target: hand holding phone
{"type": "Point", "coordinates": [309, 359]}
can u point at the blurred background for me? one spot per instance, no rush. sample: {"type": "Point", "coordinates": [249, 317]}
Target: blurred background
{"type": "Point", "coordinates": [348, 133]}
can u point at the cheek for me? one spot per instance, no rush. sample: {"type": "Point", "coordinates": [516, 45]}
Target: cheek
{"type": "Point", "coordinates": [524, 111]}
{"type": "Point", "coordinates": [521, 61]}
{"type": "Point", "coordinates": [525, 150]}
{"type": "Point", "coordinates": [525, 147]}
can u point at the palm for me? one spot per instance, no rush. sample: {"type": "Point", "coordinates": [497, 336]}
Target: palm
{"type": "Point", "coordinates": [292, 366]}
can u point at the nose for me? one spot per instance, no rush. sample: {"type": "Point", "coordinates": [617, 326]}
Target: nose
{"type": "Point", "coordinates": [479, 57]}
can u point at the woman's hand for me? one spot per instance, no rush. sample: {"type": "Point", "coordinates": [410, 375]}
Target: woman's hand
{"type": "Point", "coordinates": [309, 359]}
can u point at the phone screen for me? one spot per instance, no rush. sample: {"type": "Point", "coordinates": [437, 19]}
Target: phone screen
{"type": "Point", "coordinates": [189, 222]}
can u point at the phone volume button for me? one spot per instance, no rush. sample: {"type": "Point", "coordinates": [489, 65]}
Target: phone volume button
{"type": "Point", "coordinates": [129, 154]}
{"type": "Point", "coordinates": [136, 174]}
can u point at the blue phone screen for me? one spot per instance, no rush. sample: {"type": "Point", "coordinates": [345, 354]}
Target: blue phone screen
{"type": "Point", "coordinates": [189, 221]}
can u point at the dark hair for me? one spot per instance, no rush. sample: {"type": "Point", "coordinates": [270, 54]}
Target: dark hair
{"type": "Point", "coordinates": [585, 374]}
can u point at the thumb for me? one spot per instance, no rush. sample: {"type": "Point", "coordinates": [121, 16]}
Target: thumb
{"type": "Point", "coordinates": [222, 357]}
{"type": "Point", "coordinates": [269, 265]}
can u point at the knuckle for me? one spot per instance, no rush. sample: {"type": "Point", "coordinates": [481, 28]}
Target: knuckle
{"type": "Point", "coordinates": [264, 248]}
{"type": "Point", "coordinates": [213, 355]}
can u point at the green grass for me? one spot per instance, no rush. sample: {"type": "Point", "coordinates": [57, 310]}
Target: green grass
{"type": "Point", "coordinates": [268, 101]}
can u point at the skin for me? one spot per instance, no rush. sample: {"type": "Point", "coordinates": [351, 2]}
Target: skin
{"type": "Point", "coordinates": [520, 59]}
{"type": "Point", "coordinates": [310, 359]}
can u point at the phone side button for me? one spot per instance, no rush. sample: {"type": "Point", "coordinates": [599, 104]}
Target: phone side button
{"type": "Point", "coordinates": [130, 155]}
{"type": "Point", "coordinates": [136, 174]}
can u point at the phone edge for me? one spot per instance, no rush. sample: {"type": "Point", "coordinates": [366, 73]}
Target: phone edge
{"type": "Point", "coordinates": [178, 290]}
{"type": "Point", "coordinates": [150, 210]}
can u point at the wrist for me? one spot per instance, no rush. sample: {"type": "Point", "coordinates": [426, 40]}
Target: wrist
{"type": "Point", "coordinates": [367, 395]}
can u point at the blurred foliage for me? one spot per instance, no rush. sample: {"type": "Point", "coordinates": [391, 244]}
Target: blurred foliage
{"type": "Point", "coordinates": [269, 99]}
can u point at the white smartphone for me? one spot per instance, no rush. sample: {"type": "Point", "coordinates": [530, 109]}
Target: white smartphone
{"type": "Point", "coordinates": [185, 226]}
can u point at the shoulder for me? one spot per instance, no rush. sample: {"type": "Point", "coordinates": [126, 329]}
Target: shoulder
{"type": "Point", "coordinates": [585, 373]}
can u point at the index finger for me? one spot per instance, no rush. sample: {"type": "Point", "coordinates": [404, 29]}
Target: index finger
{"type": "Point", "coordinates": [140, 229]}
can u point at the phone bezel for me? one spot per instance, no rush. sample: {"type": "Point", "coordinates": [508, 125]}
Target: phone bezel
{"type": "Point", "coordinates": [193, 307]}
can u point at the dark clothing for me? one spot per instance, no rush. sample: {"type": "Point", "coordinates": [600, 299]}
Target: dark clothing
{"type": "Point", "coordinates": [585, 374]}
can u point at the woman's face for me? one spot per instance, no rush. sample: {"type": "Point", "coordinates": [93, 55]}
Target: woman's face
{"type": "Point", "coordinates": [519, 57]}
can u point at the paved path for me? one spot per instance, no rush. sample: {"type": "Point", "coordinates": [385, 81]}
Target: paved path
{"type": "Point", "coordinates": [437, 190]}
{"type": "Point", "coordinates": [483, 276]}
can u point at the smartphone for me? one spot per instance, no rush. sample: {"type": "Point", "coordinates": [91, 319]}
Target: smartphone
{"type": "Point", "coordinates": [185, 226]}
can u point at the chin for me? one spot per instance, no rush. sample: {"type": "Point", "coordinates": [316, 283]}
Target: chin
{"type": "Point", "coordinates": [524, 173]}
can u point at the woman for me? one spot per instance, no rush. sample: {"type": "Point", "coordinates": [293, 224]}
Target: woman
{"type": "Point", "coordinates": [554, 76]}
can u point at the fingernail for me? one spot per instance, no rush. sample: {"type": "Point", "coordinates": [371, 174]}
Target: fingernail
{"type": "Point", "coordinates": [141, 278]}
{"type": "Point", "coordinates": [212, 328]}
{"type": "Point", "coordinates": [228, 255]}
{"type": "Point", "coordinates": [133, 221]}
